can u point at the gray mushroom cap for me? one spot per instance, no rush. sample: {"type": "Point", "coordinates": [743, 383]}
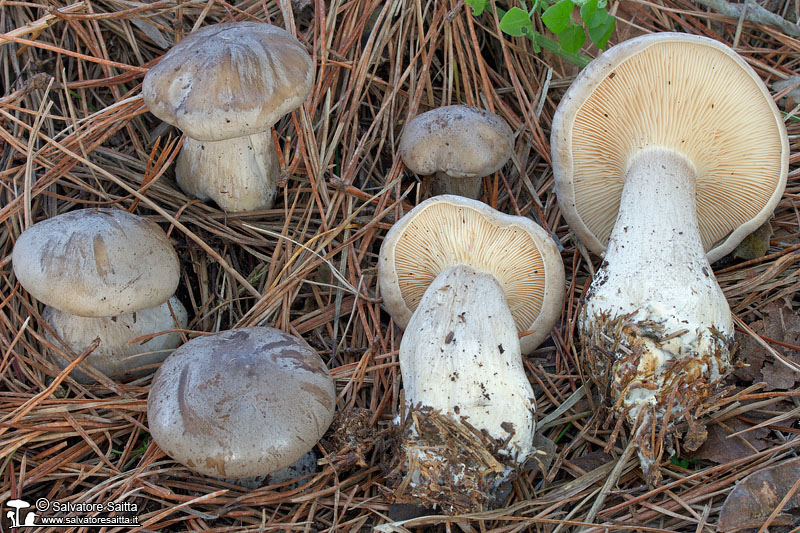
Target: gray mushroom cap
{"type": "Point", "coordinates": [241, 403]}
{"type": "Point", "coordinates": [458, 140]}
{"type": "Point", "coordinates": [97, 262]}
{"type": "Point", "coordinates": [229, 80]}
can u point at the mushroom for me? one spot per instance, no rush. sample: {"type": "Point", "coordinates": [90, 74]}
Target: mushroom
{"type": "Point", "coordinates": [667, 151]}
{"type": "Point", "coordinates": [106, 273]}
{"type": "Point", "coordinates": [465, 281]}
{"type": "Point", "coordinates": [459, 144]}
{"type": "Point", "coordinates": [241, 403]}
{"type": "Point", "coordinates": [225, 86]}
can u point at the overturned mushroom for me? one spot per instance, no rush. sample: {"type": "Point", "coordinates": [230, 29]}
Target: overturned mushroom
{"type": "Point", "coordinates": [225, 86]}
{"type": "Point", "coordinates": [241, 403]}
{"type": "Point", "coordinates": [459, 144]}
{"type": "Point", "coordinates": [667, 151]}
{"type": "Point", "coordinates": [103, 273]}
{"type": "Point", "coordinates": [464, 280]}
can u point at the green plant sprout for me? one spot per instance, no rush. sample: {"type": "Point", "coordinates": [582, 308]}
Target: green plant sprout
{"type": "Point", "coordinates": [556, 15]}
{"type": "Point", "coordinates": [141, 449]}
{"type": "Point", "coordinates": [683, 463]}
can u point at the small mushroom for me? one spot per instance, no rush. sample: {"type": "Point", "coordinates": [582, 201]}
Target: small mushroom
{"type": "Point", "coordinates": [464, 281]}
{"type": "Point", "coordinates": [459, 144]}
{"type": "Point", "coordinates": [241, 403]}
{"type": "Point", "coordinates": [225, 86]}
{"type": "Point", "coordinates": [667, 151]}
{"type": "Point", "coordinates": [103, 273]}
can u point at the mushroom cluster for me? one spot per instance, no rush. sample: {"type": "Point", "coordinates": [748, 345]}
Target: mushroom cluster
{"type": "Point", "coordinates": [242, 403]}
{"type": "Point", "coordinates": [465, 281]}
{"type": "Point", "coordinates": [667, 151]}
{"type": "Point", "coordinates": [104, 273]}
{"type": "Point", "coordinates": [459, 144]}
{"type": "Point", "coordinates": [225, 86]}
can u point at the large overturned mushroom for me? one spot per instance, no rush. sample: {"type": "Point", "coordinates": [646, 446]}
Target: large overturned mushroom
{"type": "Point", "coordinates": [667, 151]}
{"type": "Point", "coordinates": [104, 273]}
{"type": "Point", "coordinates": [225, 86]}
{"type": "Point", "coordinates": [465, 281]}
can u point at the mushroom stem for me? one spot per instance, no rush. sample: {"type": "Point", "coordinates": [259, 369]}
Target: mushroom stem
{"type": "Point", "coordinates": [116, 356]}
{"type": "Point", "coordinates": [472, 407]}
{"type": "Point", "coordinates": [466, 187]}
{"type": "Point", "coordinates": [657, 326]}
{"type": "Point", "coordinates": [239, 174]}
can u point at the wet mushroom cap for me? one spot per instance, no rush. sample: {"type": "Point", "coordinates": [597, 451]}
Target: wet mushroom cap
{"type": "Point", "coordinates": [241, 403]}
{"type": "Point", "coordinates": [458, 140]}
{"type": "Point", "coordinates": [97, 262]}
{"type": "Point", "coordinates": [685, 93]}
{"type": "Point", "coordinates": [448, 230]}
{"type": "Point", "coordinates": [229, 80]}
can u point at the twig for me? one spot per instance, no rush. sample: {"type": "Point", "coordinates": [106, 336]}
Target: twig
{"type": "Point", "coordinates": [752, 13]}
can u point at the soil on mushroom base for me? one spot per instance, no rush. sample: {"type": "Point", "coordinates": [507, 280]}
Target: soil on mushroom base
{"type": "Point", "coordinates": [447, 464]}
{"type": "Point", "coordinates": [611, 355]}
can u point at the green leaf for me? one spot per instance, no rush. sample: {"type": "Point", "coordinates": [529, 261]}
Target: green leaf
{"type": "Point", "coordinates": [477, 6]}
{"type": "Point", "coordinates": [538, 5]}
{"type": "Point", "coordinates": [549, 44]}
{"type": "Point", "coordinates": [516, 23]}
{"type": "Point", "coordinates": [534, 37]}
{"type": "Point", "coordinates": [592, 15]}
{"type": "Point", "coordinates": [572, 38]}
{"type": "Point", "coordinates": [600, 34]}
{"type": "Point", "coordinates": [557, 16]}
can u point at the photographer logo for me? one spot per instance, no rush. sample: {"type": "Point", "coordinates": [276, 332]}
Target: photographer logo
{"type": "Point", "coordinates": [18, 514]}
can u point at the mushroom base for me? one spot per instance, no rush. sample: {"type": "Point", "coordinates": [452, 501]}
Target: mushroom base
{"type": "Point", "coordinates": [449, 464]}
{"type": "Point", "coordinates": [662, 391]}
{"type": "Point", "coordinates": [305, 466]}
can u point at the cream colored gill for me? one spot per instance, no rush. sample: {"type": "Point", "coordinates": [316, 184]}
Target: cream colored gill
{"type": "Point", "coordinates": [443, 235]}
{"type": "Point", "coordinates": [714, 113]}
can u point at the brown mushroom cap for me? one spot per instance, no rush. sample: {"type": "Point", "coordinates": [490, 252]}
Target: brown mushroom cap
{"type": "Point", "coordinates": [448, 230]}
{"type": "Point", "coordinates": [458, 140]}
{"type": "Point", "coordinates": [229, 80]}
{"type": "Point", "coordinates": [681, 92]}
{"type": "Point", "coordinates": [97, 262]}
{"type": "Point", "coordinates": [241, 403]}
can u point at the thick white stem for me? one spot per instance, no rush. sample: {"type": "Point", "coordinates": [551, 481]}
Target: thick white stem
{"type": "Point", "coordinates": [656, 271]}
{"type": "Point", "coordinates": [472, 407]}
{"type": "Point", "coordinates": [239, 174]}
{"type": "Point", "coordinates": [460, 355]}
